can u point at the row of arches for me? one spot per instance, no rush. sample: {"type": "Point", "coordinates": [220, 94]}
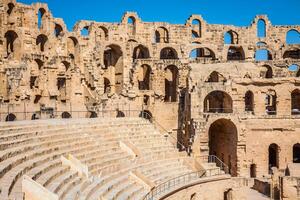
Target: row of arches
{"type": "Point", "coordinates": [221, 102]}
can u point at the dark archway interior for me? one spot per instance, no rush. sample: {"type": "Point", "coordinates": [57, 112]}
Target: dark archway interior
{"type": "Point", "coordinates": [296, 153]}
{"type": "Point", "coordinates": [223, 143]}
{"type": "Point", "coordinates": [273, 156]}
{"type": "Point", "coordinates": [218, 102]}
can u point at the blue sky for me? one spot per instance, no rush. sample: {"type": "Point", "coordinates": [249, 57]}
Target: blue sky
{"type": "Point", "coordinates": [236, 12]}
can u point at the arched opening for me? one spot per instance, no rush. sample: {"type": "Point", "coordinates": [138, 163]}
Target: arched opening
{"type": "Point", "coordinates": [10, 37]}
{"type": "Point", "coordinates": [35, 116]}
{"type": "Point", "coordinates": [266, 72]}
{"type": "Point", "coordinates": [10, 8]}
{"type": "Point", "coordinates": [231, 37]}
{"type": "Point", "coordinates": [196, 28]}
{"type": "Point", "coordinates": [131, 22]}
{"type": "Point", "coordinates": [102, 34]}
{"type": "Point", "coordinates": [235, 53]}
{"type": "Point", "coordinates": [41, 14]}
{"type": "Point", "coordinates": [113, 57]}
{"type": "Point", "coordinates": [249, 101]}
{"type": "Point", "coordinates": [144, 73]}
{"type": "Point", "coordinates": [295, 102]}
{"type": "Point", "coordinates": [223, 143]}
{"type": "Point", "coordinates": [292, 54]}
{"type": "Point", "coordinates": [293, 37]}
{"type": "Point", "coordinates": [215, 77]}
{"type": "Point", "coordinates": [271, 102]}
{"type": "Point", "coordinates": [273, 157]}
{"type": "Point", "coordinates": [120, 114]}
{"type": "Point", "coordinates": [146, 114]}
{"type": "Point", "coordinates": [199, 53]}
{"type": "Point", "coordinates": [261, 28]}
{"type": "Point", "coordinates": [228, 194]}
{"type": "Point", "coordinates": [84, 31]}
{"type": "Point", "coordinates": [171, 82]}
{"type": "Point", "coordinates": [41, 41]}
{"type": "Point", "coordinates": [66, 115]}
{"type": "Point", "coordinates": [296, 153]}
{"type": "Point", "coordinates": [93, 114]}
{"type": "Point", "coordinates": [107, 87]}
{"type": "Point", "coordinates": [253, 170]}
{"type": "Point", "coordinates": [262, 55]}
{"type": "Point", "coordinates": [58, 30]}
{"type": "Point", "coordinates": [140, 52]}
{"type": "Point", "coordinates": [293, 69]}
{"type": "Point", "coordinates": [218, 102]}
{"type": "Point", "coordinates": [161, 35]}
{"type": "Point", "coordinates": [10, 117]}
{"type": "Point", "coordinates": [72, 46]}
{"type": "Point", "coordinates": [168, 53]}
{"type": "Point", "coordinates": [146, 100]}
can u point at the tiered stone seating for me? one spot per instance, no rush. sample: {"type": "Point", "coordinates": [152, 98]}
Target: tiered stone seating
{"type": "Point", "coordinates": [34, 148]}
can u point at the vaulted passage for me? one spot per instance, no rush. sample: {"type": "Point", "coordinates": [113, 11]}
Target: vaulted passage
{"type": "Point", "coordinates": [223, 143]}
{"type": "Point", "coordinates": [144, 73]}
{"type": "Point", "coordinates": [218, 102]}
{"type": "Point", "coordinates": [171, 82]}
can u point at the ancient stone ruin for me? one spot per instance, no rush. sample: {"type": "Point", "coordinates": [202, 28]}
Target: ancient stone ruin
{"type": "Point", "coordinates": [226, 97]}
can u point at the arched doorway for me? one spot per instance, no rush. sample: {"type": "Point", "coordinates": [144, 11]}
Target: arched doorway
{"type": "Point", "coordinates": [218, 102]}
{"type": "Point", "coordinates": [296, 153]}
{"type": "Point", "coordinates": [223, 143]}
{"type": "Point", "coordinates": [273, 156]}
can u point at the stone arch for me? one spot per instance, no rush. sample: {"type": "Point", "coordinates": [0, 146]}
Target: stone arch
{"type": "Point", "coordinates": [235, 53]}
{"type": "Point", "coordinates": [144, 79]}
{"type": "Point", "coordinates": [292, 37]}
{"type": "Point", "coordinates": [249, 101]}
{"type": "Point", "coordinates": [41, 13]}
{"type": "Point", "coordinates": [215, 77]}
{"type": "Point", "coordinates": [261, 28]}
{"type": "Point", "coordinates": [85, 31]}
{"type": "Point", "coordinates": [231, 37]}
{"type": "Point", "coordinates": [223, 137]}
{"type": "Point", "coordinates": [72, 47]}
{"type": "Point", "coordinates": [140, 52]}
{"type": "Point", "coordinates": [263, 55]}
{"type": "Point", "coordinates": [58, 30]}
{"type": "Point", "coordinates": [146, 114]}
{"type": "Point", "coordinates": [267, 71]}
{"type": "Point", "coordinates": [11, 117]}
{"type": "Point", "coordinates": [218, 102]}
{"type": "Point", "coordinates": [271, 102]}
{"type": "Point", "coordinates": [168, 53]}
{"type": "Point", "coordinates": [103, 33]}
{"type": "Point", "coordinates": [171, 83]}
{"type": "Point", "coordinates": [196, 28]}
{"type": "Point", "coordinates": [202, 52]}
{"type": "Point", "coordinates": [273, 152]}
{"type": "Point", "coordinates": [11, 38]}
{"type": "Point", "coordinates": [293, 53]}
{"type": "Point", "coordinates": [161, 35]}
{"type": "Point", "coordinates": [295, 102]}
{"type": "Point", "coordinates": [10, 8]}
{"type": "Point", "coordinates": [66, 115]}
{"type": "Point", "coordinates": [296, 153]}
{"type": "Point", "coordinates": [107, 85]}
{"type": "Point", "coordinates": [41, 41]}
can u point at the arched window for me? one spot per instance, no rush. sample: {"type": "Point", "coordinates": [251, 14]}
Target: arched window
{"type": "Point", "coordinates": [196, 28]}
{"type": "Point", "coordinates": [293, 68]}
{"type": "Point", "coordinates": [66, 115]}
{"type": "Point", "coordinates": [235, 53]}
{"type": "Point", "coordinates": [10, 117]}
{"type": "Point", "coordinates": [293, 37]}
{"type": "Point", "coordinates": [72, 47]}
{"type": "Point", "coordinates": [268, 71]}
{"type": "Point", "coordinates": [85, 31]}
{"type": "Point", "coordinates": [168, 53]}
{"type": "Point", "coordinates": [140, 52]}
{"type": "Point", "coordinates": [10, 37]}
{"type": "Point", "coordinates": [271, 102]}
{"type": "Point", "coordinates": [103, 34]}
{"type": "Point", "coordinates": [161, 35]}
{"type": "Point", "coordinates": [292, 54]}
{"type": "Point", "coordinates": [215, 77]}
{"type": "Point", "coordinates": [144, 77]}
{"type": "Point", "coordinates": [58, 30]}
{"type": "Point", "coordinates": [41, 14]}
{"type": "Point", "coordinates": [249, 101]}
{"type": "Point", "coordinates": [263, 55]}
{"type": "Point", "coordinates": [171, 82]}
{"type": "Point", "coordinates": [41, 41]}
{"type": "Point", "coordinates": [261, 28]}
{"type": "Point", "coordinates": [295, 102]}
{"type": "Point", "coordinates": [199, 53]}
{"type": "Point", "coordinates": [218, 102]}
{"type": "Point", "coordinates": [231, 37]}
{"type": "Point", "coordinates": [296, 153]}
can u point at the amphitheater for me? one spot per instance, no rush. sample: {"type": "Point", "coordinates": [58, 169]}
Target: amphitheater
{"type": "Point", "coordinates": [147, 110]}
